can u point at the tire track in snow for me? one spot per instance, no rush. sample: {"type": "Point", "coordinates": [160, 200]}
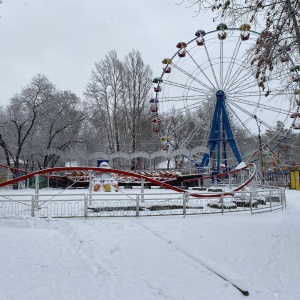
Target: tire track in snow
{"type": "Point", "coordinates": [116, 274]}
{"type": "Point", "coordinates": [238, 285]}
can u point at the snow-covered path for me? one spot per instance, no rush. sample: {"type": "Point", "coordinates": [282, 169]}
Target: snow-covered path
{"type": "Point", "coordinates": [152, 257]}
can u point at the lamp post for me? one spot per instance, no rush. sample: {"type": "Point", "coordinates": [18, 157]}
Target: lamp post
{"type": "Point", "coordinates": [258, 122]}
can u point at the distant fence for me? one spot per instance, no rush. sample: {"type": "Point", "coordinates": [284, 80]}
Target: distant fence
{"type": "Point", "coordinates": [137, 204]}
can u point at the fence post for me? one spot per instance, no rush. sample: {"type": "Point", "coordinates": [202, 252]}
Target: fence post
{"type": "Point", "coordinates": [142, 189]}
{"type": "Point", "coordinates": [230, 181]}
{"type": "Point", "coordinates": [284, 197]}
{"type": "Point", "coordinates": [137, 213]}
{"type": "Point", "coordinates": [222, 202]}
{"type": "Point", "coordinates": [85, 205]}
{"type": "Point", "coordinates": [90, 186]}
{"type": "Point", "coordinates": [281, 198]}
{"type": "Point", "coordinates": [270, 196]}
{"type": "Point", "coordinates": [250, 201]}
{"type": "Point", "coordinates": [184, 196]}
{"type": "Point", "coordinates": [37, 189]}
{"type": "Point", "coordinates": [32, 205]}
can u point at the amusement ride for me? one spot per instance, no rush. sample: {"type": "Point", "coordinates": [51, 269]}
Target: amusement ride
{"type": "Point", "coordinates": [214, 73]}
{"type": "Point", "coordinates": [212, 77]}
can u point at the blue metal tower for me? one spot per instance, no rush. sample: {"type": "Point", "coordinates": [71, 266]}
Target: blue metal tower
{"type": "Point", "coordinates": [220, 135]}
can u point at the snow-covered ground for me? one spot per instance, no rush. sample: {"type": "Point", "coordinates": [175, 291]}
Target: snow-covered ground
{"type": "Point", "coordinates": [167, 257]}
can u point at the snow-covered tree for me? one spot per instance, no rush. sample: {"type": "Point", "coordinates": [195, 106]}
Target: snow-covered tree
{"type": "Point", "coordinates": [21, 116]}
{"type": "Point", "coordinates": [103, 94]}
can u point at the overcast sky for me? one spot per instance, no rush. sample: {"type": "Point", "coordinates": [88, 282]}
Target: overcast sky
{"type": "Point", "coordinates": [62, 39]}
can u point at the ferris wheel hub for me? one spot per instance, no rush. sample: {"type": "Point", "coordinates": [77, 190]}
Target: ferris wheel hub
{"type": "Point", "coordinates": [221, 94]}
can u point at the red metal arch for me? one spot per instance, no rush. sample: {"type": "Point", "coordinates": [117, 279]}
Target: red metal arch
{"type": "Point", "coordinates": [120, 172]}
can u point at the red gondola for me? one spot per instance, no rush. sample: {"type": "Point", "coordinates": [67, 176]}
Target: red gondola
{"type": "Point", "coordinates": [181, 45]}
{"type": "Point", "coordinates": [156, 124]}
{"type": "Point", "coordinates": [167, 70]}
{"type": "Point", "coordinates": [157, 89]}
{"type": "Point", "coordinates": [181, 53]}
{"type": "Point", "coordinates": [295, 115]}
{"type": "Point", "coordinates": [153, 108]}
{"type": "Point", "coordinates": [245, 36]}
{"type": "Point", "coordinates": [284, 147]}
{"type": "Point", "coordinates": [266, 34]}
{"type": "Point", "coordinates": [153, 105]}
{"type": "Point", "coordinates": [156, 120]}
{"type": "Point", "coordinates": [222, 36]}
{"type": "Point", "coordinates": [296, 125]}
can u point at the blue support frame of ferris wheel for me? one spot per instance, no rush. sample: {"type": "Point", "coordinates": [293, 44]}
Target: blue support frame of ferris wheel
{"type": "Point", "coordinates": [220, 134]}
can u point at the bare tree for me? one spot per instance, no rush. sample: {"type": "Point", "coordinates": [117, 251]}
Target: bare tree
{"type": "Point", "coordinates": [39, 125]}
{"type": "Point", "coordinates": [21, 117]}
{"type": "Point", "coordinates": [136, 84]}
{"type": "Point", "coordinates": [104, 98]}
{"type": "Point", "coordinates": [116, 96]}
{"type": "Point", "coordinates": [59, 127]}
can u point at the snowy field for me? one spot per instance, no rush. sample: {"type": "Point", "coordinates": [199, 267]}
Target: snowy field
{"type": "Point", "coordinates": [168, 257]}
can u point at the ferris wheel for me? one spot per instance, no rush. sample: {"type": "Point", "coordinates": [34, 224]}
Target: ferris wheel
{"type": "Point", "coordinates": [210, 80]}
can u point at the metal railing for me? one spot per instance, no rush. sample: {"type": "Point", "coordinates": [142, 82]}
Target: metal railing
{"type": "Point", "coordinates": [138, 204]}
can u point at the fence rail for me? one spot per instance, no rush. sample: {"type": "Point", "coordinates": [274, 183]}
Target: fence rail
{"type": "Point", "coordinates": [137, 204]}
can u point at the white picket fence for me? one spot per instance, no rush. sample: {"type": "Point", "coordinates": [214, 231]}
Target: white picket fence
{"type": "Point", "coordinates": [134, 203]}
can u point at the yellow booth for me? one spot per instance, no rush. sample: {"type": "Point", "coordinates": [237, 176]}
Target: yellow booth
{"type": "Point", "coordinates": [294, 177]}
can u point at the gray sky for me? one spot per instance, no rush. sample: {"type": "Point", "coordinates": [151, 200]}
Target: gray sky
{"type": "Point", "coordinates": [62, 39]}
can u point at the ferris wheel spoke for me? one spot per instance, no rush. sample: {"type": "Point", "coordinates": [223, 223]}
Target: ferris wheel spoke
{"type": "Point", "coordinates": [232, 63]}
{"type": "Point", "coordinates": [211, 67]}
{"type": "Point", "coordinates": [241, 122]}
{"type": "Point", "coordinates": [271, 96]}
{"type": "Point", "coordinates": [185, 87]}
{"type": "Point", "coordinates": [221, 64]}
{"type": "Point", "coordinates": [191, 135]}
{"type": "Point", "coordinates": [194, 101]}
{"type": "Point", "coordinates": [277, 93]}
{"type": "Point", "coordinates": [183, 98]}
{"type": "Point", "coordinates": [246, 82]}
{"type": "Point", "coordinates": [191, 107]}
{"type": "Point", "coordinates": [188, 108]}
{"type": "Point", "coordinates": [259, 105]}
{"type": "Point", "coordinates": [241, 70]}
{"type": "Point", "coordinates": [202, 70]}
{"type": "Point", "coordinates": [192, 77]}
{"type": "Point", "coordinates": [254, 94]}
{"type": "Point", "coordinates": [240, 76]}
{"type": "Point", "coordinates": [177, 133]}
{"type": "Point", "coordinates": [252, 115]}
